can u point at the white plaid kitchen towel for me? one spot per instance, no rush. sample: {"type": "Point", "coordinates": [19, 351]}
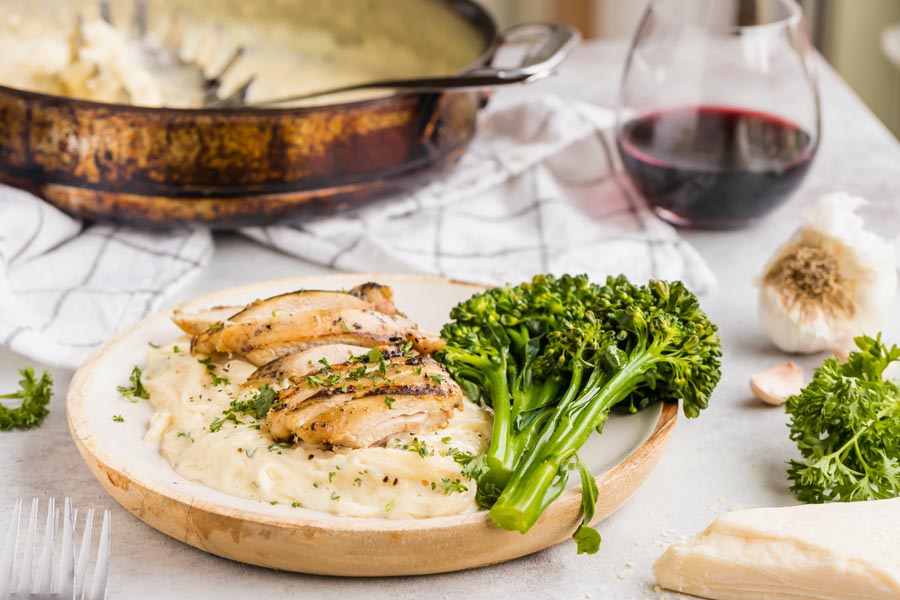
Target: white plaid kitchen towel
{"type": "Point", "coordinates": [537, 191]}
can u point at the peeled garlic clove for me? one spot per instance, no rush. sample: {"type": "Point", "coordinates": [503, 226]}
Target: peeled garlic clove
{"type": "Point", "coordinates": [774, 386]}
{"type": "Point", "coordinates": [830, 282]}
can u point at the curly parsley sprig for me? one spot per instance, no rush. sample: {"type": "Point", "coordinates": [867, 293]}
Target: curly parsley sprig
{"type": "Point", "coordinates": [35, 395]}
{"type": "Point", "coordinates": [846, 424]}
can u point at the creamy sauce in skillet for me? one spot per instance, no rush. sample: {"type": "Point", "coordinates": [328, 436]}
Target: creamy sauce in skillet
{"type": "Point", "coordinates": [45, 51]}
{"type": "Point", "coordinates": [239, 459]}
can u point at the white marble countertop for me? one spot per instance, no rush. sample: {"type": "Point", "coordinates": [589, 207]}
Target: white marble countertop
{"type": "Point", "coordinates": [733, 455]}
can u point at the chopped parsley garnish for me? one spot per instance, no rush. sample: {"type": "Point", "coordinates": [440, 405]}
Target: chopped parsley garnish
{"type": "Point", "coordinates": [326, 366]}
{"type": "Point", "coordinates": [216, 327]}
{"type": "Point", "coordinates": [316, 380]}
{"type": "Point", "coordinates": [446, 440]}
{"type": "Point", "coordinates": [335, 496]}
{"type": "Point", "coordinates": [405, 348]}
{"type": "Point", "coordinates": [260, 404]}
{"type": "Point", "coordinates": [357, 372]}
{"type": "Point", "coordinates": [296, 505]}
{"type": "Point", "coordinates": [137, 389]}
{"type": "Point", "coordinates": [344, 327]}
{"type": "Point", "coordinates": [175, 349]}
{"type": "Point", "coordinates": [418, 370]}
{"type": "Point", "coordinates": [421, 448]}
{"type": "Point", "coordinates": [450, 487]}
{"type": "Point", "coordinates": [279, 447]}
{"type": "Point", "coordinates": [35, 395]}
{"type": "Point", "coordinates": [251, 454]}
{"type": "Point", "coordinates": [461, 458]}
{"type": "Point", "coordinates": [331, 475]}
{"type": "Point", "coordinates": [357, 482]}
{"type": "Point", "coordinates": [152, 345]}
{"type": "Point", "coordinates": [273, 502]}
{"type": "Point", "coordinates": [389, 506]}
{"type": "Point", "coordinates": [216, 425]}
{"type": "Point", "coordinates": [183, 434]}
{"type": "Point", "coordinates": [436, 378]}
{"type": "Point", "coordinates": [118, 418]}
{"type": "Point", "coordinates": [216, 380]}
{"type": "Point", "coordinates": [374, 355]}
{"type": "Point", "coordinates": [389, 402]}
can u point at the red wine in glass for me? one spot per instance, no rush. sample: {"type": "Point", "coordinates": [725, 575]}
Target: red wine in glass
{"type": "Point", "coordinates": [714, 166]}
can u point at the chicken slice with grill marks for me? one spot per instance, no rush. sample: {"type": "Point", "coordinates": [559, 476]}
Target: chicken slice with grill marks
{"type": "Point", "coordinates": [195, 323]}
{"type": "Point", "coordinates": [379, 296]}
{"type": "Point", "coordinates": [360, 405]}
{"type": "Point", "coordinates": [262, 341]}
{"type": "Point", "coordinates": [296, 365]}
{"type": "Point", "coordinates": [367, 295]}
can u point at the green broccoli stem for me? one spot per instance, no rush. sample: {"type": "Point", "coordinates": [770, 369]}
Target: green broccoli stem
{"type": "Point", "coordinates": [525, 496]}
{"type": "Point", "coordinates": [500, 460]}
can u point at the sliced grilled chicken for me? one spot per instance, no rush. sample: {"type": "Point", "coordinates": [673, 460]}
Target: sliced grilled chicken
{"type": "Point", "coordinates": [198, 322]}
{"type": "Point", "coordinates": [358, 405]}
{"type": "Point", "coordinates": [292, 303]}
{"type": "Point", "coordinates": [368, 295]}
{"type": "Point", "coordinates": [263, 340]}
{"type": "Point", "coordinates": [296, 365]}
{"type": "Point", "coordinates": [381, 297]}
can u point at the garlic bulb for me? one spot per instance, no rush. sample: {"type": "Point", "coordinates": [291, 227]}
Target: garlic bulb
{"type": "Point", "coordinates": [830, 282]}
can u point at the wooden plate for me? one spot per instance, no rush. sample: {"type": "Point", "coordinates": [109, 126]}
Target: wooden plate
{"type": "Point", "coordinates": [296, 539]}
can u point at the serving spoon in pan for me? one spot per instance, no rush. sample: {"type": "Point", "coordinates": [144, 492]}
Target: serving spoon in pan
{"type": "Point", "coordinates": [548, 46]}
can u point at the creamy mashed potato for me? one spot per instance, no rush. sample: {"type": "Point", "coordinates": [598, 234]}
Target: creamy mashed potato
{"type": "Point", "coordinates": [395, 481]}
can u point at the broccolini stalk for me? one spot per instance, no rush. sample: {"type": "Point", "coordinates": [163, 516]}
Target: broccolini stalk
{"type": "Point", "coordinates": [652, 344]}
{"type": "Point", "coordinates": [492, 345]}
{"type": "Point", "coordinates": [552, 357]}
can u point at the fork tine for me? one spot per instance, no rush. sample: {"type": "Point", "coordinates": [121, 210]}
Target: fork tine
{"type": "Point", "coordinates": [105, 12]}
{"type": "Point", "coordinates": [139, 18]}
{"type": "Point", "coordinates": [9, 550]}
{"type": "Point", "coordinates": [83, 553]}
{"type": "Point", "coordinates": [98, 585]}
{"type": "Point", "coordinates": [41, 583]}
{"type": "Point", "coordinates": [65, 581]}
{"type": "Point", "coordinates": [28, 556]}
{"type": "Point", "coordinates": [235, 99]}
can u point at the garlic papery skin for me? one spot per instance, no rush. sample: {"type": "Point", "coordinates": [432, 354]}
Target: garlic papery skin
{"type": "Point", "coordinates": [830, 282]}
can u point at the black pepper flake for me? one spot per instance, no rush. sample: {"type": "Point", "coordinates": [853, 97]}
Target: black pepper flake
{"type": "Point", "coordinates": [385, 480]}
{"type": "Point", "coordinates": [311, 456]}
{"type": "Point", "coordinates": [396, 480]}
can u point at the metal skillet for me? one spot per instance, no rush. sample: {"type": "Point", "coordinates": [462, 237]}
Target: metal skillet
{"type": "Point", "coordinates": [238, 165]}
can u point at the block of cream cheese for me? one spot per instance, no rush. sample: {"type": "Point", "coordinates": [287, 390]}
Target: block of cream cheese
{"type": "Point", "coordinates": [813, 552]}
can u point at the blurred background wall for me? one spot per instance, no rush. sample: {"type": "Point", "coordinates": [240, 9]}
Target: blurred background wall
{"type": "Point", "coordinates": [851, 34]}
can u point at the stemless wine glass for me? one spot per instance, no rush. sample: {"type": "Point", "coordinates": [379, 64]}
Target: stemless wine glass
{"type": "Point", "coordinates": [719, 115]}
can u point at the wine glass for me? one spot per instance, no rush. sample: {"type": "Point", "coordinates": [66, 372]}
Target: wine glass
{"type": "Point", "coordinates": [719, 116]}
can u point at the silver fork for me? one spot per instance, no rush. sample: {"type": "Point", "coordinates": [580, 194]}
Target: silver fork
{"type": "Point", "coordinates": [170, 53]}
{"type": "Point", "coordinates": [35, 577]}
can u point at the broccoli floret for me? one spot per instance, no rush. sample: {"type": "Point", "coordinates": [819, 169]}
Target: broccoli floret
{"type": "Point", "coordinates": [552, 357]}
